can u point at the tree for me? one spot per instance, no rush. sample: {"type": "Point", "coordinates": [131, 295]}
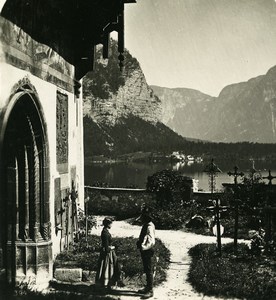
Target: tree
{"type": "Point", "coordinates": [252, 194]}
{"type": "Point", "coordinates": [170, 187]}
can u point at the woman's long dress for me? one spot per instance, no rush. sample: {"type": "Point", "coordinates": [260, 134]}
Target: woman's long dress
{"type": "Point", "coordinates": [107, 270]}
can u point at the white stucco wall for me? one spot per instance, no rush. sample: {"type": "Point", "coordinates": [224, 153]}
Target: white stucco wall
{"type": "Point", "coordinates": [47, 93]}
{"type": "Point", "coordinates": [2, 2]}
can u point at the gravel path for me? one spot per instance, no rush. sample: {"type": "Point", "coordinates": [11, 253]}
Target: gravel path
{"type": "Point", "coordinates": [176, 287]}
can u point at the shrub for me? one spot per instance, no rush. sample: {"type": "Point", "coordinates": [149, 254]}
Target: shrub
{"type": "Point", "coordinates": [170, 187]}
{"type": "Point", "coordinates": [241, 275]}
{"type": "Point", "coordinates": [173, 192]}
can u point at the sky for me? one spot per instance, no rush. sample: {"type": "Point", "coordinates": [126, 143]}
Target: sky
{"type": "Point", "coordinates": [201, 44]}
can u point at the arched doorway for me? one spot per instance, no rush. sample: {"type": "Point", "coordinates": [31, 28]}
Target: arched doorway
{"type": "Point", "coordinates": [25, 222]}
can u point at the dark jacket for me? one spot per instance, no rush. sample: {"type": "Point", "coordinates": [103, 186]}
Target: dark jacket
{"type": "Point", "coordinates": [106, 240]}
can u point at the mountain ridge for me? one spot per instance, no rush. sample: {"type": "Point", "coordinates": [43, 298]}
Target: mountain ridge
{"type": "Point", "coordinates": [243, 111]}
{"type": "Point", "coordinates": [122, 113]}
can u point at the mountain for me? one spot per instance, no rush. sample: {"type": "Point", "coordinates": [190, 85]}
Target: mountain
{"type": "Point", "coordinates": [110, 94]}
{"type": "Point", "coordinates": [243, 111]}
{"type": "Point", "coordinates": [121, 112]}
{"type": "Point", "coordinates": [186, 111]}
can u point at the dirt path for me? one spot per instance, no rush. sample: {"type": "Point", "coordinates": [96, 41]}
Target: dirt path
{"type": "Point", "coordinates": [176, 287]}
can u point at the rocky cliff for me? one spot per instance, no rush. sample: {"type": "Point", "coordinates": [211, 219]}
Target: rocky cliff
{"type": "Point", "coordinates": [108, 98]}
{"type": "Point", "coordinates": [242, 112]}
{"type": "Point", "coordinates": [121, 112]}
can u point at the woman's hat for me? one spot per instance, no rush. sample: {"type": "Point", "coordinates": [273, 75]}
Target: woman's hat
{"type": "Point", "coordinates": [107, 221]}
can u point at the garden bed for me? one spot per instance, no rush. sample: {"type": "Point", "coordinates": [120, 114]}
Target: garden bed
{"type": "Point", "coordinates": [85, 255]}
{"type": "Point", "coordinates": [241, 275]}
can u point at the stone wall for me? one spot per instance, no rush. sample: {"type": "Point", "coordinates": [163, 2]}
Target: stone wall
{"type": "Point", "coordinates": [120, 202]}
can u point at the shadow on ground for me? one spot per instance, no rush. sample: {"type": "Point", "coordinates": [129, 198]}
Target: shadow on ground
{"type": "Point", "coordinates": [94, 290]}
{"type": "Point", "coordinates": [64, 291]}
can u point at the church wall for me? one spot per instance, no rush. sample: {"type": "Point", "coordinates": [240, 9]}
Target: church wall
{"type": "Point", "coordinates": [49, 74]}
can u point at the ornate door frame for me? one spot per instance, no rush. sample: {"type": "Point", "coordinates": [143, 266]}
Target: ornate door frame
{"type": "Point", "coordinates": [24, 194]}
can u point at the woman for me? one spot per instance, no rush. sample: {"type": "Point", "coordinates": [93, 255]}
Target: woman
{"type": "Point", "coordinates": [107, 271]}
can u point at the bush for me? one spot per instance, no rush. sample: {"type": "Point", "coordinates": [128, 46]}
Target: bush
{"type": "Point", "coordinates": [170, 187]}
{"type": "Point", "coordinates": [171, 218]}
{"type": "Point", "coordinates": [173, 192]}
{"type": "Point", "coordinates": [241, 275]}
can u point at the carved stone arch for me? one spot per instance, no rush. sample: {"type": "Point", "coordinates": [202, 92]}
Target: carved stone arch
{"type": "Point", "coordinates": [24, 195]}
{"type": "Point", "coordinates": [22, 85]}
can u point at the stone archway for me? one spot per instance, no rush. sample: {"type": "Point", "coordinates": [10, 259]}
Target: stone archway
{"type": "Point", "coordinates": [25, 223]}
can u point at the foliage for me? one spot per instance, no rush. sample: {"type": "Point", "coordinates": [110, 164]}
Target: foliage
{"type": "Point", "coordinates": [107, 76]}
{"type": "Point", "coordinates": [170, 187]}
{"type": "Point", "coordinates": [253, 193]}
{"type": "Point", "coordinates": [101, 82]}
{"type": "Point", "coordinates": [172, 218]}
{"type": "Point", "coordinates": [86, 256]}
{"type": "Point", "coordinates": [133, 134]}
{"type": "Point", "coordinates": [173, 199]}
{"type": "Point", "coordinates": [85, 220]}
{"type": "Point", "coordinates": [257, 242]}
{"type": "Point", "coordinates": [243, 275]}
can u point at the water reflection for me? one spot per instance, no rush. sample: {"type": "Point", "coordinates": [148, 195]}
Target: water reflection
{"type": "Point", "coordinates": [135, 174]}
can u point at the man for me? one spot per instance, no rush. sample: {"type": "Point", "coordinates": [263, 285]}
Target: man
{"type": "Point", "coordinates": [146, 244]}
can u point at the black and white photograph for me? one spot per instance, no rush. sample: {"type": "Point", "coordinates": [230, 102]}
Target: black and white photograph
{"type": "Point", "coordinates": [137, 149]}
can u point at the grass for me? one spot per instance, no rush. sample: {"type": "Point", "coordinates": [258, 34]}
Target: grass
{"type": "Point", "coordinates": [23, 292]}
{"type": "Point", "coordinates": [86, 257]}
{"type": "Point", "coordinates": [242, 275]}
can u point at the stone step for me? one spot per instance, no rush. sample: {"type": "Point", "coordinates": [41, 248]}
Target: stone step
{"type": "Point", "coordinates": [68, 275]}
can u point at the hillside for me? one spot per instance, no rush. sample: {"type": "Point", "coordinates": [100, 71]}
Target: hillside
{"type": "Point", "coordinates": [131, 134]}
{"type": "Point", "coordinates": [121, 112]}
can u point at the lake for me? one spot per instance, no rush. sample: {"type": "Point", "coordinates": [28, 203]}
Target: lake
{"type": "Point", "coordinates": [135, 174]}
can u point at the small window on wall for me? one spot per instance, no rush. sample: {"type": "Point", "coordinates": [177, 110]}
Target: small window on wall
{"type": "Point", "coordinates": [62, 132]}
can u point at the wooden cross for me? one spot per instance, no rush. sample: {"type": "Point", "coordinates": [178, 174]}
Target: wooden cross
{"type": "Point", "coordinates": [66, 201]}
{"type": "Point", "coordinates": [212, 170]}
{"type": "Point", "coordinates": [86, 201]}
{"type": "Point", "coordinates": [217, 209]}
{"type": "Point", "coordinates": [269, 208]}
{"type": "Point", "coordinates": [237, 202]}
{"type": "Point", "coordinates": [269, 177]}
{"type": "Point", "coordinates": [61, 211]}
{"type": "Point", "coordinates": [236, 174]}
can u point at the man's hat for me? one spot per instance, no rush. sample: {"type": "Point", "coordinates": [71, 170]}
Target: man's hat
{"type": "Point", "coordinates": [107, 220]}
{"type": "Point", "coordinates": [145, 212]}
